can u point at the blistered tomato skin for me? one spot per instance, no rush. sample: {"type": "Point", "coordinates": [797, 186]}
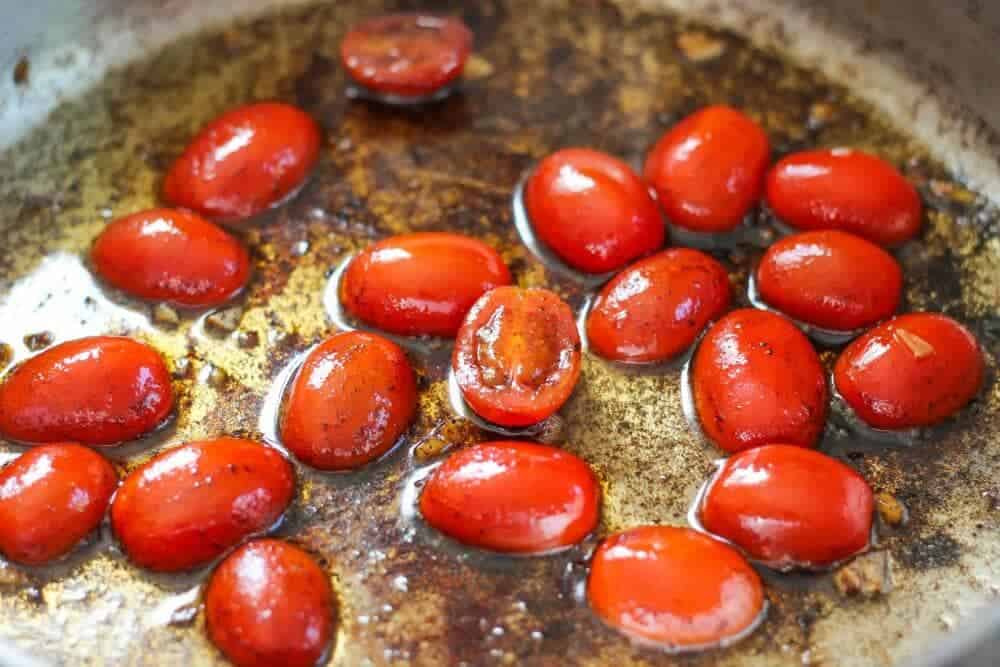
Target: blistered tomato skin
{"type": "Point", "coordinates": [656, 308]}
{"type": "Point", "coordinates": [244, 162]}
{"type": "Point", "coordinates": [51, 497]}
{"type": "Point", "coordinates": [513, 497]}
{"type": "Point", "coordinates": [914, 370]}
{"type": "Point", "coordinates": [756, 380]}
{"type": "Point", "coordinates": [269, 603]}
{"type": "Point", "coordinates": [101, 390]}
{"type": "Point", "coordinates": [354, 396]}
{"type": "Point", "coordinates": [189, 504]}
{"type": "Point", "coordinates": [517, 356]}
{"type": "Point", "coordinates": [422, 283]}
{"type": "Point", "coordinates": [845, 189]}
{"type": "Point", "coordinates": [592, 210]}
{"type": "Point", "coordinates": [708, 170]}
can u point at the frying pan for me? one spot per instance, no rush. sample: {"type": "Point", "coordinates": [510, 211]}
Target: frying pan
{"type": "Point", "coordinates": [97, 97]}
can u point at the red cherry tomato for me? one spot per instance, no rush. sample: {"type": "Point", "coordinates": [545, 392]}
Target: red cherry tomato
{"type": "Point", "coordinates": [245, 161]}
{"type": "Point", "coordinates": [914, 370]}
{"type": "Point", "coordinates": [422, 283]}
{"type": "Point", "coordinates": [656, 308]}
{"type": "Point", "coordinates": [517, 356]}
{"type": "Point", "coordinates": [51, 497]}
{"type": "Point", "coordinates": [708, 170]}
{"type": "Point", "coordinates": [757, 380]}
{"type": "Point", "coordinates": [410, 55]}
{"type": "Point", "coordinates": [512, 497]}
{"type": "Point", "coordinates": [269, 603]}
{"type": "Point", "coordinates": [101, 390]}
{"type": "Point", "coordinates": [353, 398]}
{"type": "Point", "coordinates": [790, 507]}
{"type": "Point", "coordinates": [188, 505]}
{"type": "Point", "coordinates": [592, 210]}
{"type": "Point", "coordinates": [675, 587]}
{"type": "Point", "coordinates": [845, 189]}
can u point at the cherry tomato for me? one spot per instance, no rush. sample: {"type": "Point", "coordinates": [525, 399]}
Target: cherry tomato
{"type": "Point", "coordinates": [245, 161]}
{"type": "Point", "coordinates": [914, 370]}
{"type": "Point", "coordinates": [101, 390]}
{"type": "Point", "coordinates": [708, 170]}
{"type": "Point", "coordinates": [353, 398]}
{"type": "Point", "coordinates": [592, 210]}
{"type": "Point", "coordinates": [512, 497]}
{"type": "Point", "coordinates": [790, 507]}
{"type": "Point", "coordinates": [410, 55]}
{"type": "Point", "coordinates": [675, 587]}
{"type": "Point", "coordinates": [845, 189]}
{"type": "Point", "coordinates": [51, 497]}
{"type": "Point", "coordinates": [422, 283]}
{"type": "Point", "coordinates": [269, 603]}
{"type": "Point", "coordinates": [757, 380]}
{"type": "Point", "coordinates": [517, 356]}
{"type": "Point", "coordinates": [188, 505]}
{"type": "Point", "coordinates": [656, 308]}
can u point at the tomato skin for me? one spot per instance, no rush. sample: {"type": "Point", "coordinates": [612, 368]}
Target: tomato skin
{"type": "Point", "coordinates": [269, 603]}
{"type": "Point", "coordinates": [756, 380]}
{"type": "Point", "coordinates": [516, 497]}
{"type": "Point", "coordinates": [656, 308]}
{"type": "Point", "coordinates": [517, 356]}
{"type": "Point", "coordinates": [845, 189]}
{"type": "Point", "coordinates": [189, 504]}
{"type": "Point", "coordinates": [422, 283]}
{"type": "Point", "coordinates": [708, 170]}
{"type": "Point", "coordinates": [354, 396]}
{"type": "Point", "coordinates": [244, 162]}
{"type": "Point", "coordinates": [914, 370]}
{"type": "Point", "coordinates": [100, 390]}
{"type": "Point", "coordinates": [592, 210]}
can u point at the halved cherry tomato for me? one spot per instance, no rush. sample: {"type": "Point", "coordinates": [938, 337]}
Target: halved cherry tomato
{"type": "Point", "coordinates": [512, 497]}
{"type": "Point", "coordinates": [422, 283]}
{"type": "Point", "coordinates": [708, 170]}
{"type": "Point", "coordinates": [790, 507]}
{"type": "Point", "coordinates": [675, 587]}
{"type": "Point", "coordinates": [517, 356]}
{"type": "Point", "coordinates": [245, 161]}
{"type": "Point", "coordinates": [353, 398]}
{"type": "Point", "coordinates": [410, 55]}
{"type": "Point", "coordinates": [656, 308]}
{"type": "Point", "coordinates": [269, 603]}
{"type": "Point", "coordinates": [101, 390]}
{"type": "Point", "coordinates": [51, 497]}
{"type": "Point", "coordinates": [845, 189]}
{"type": "Point", "coordinates": [914, 370]}
{"type": "Point", "coordinates": [592, 210]}
{"type": "Point", "coordinates": [757, 380]}
{"type": "Point", "coordinates": [189, 504]}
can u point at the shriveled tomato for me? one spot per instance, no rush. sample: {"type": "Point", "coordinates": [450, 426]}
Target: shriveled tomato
{"type": "Point", "coordinates": [353, 398]}
{"type": "Point", "coordinates": [245, 161]}
{"type": "Point", "coordinates": [422, 283]}
{"type": "Point", "coordinates": [914, 370]}
{"type": "Point", "coordinates": [517, 356]}
{"type": "Point", "coordinates": [845, 189]}
{"type": "Point", "coordinates": [592, 210]}
{"type": "Point", "coordinates": [756, 380]}
{"type": "Point", "coordinates": [512, 497]}
{"type": "Point", "coordinates": [675, 587]}
{"type": "Point", "coordinates": [708, 170]}
{"type": "Point", "coordinates": [188, 505]}
{"type": "Point", "coordinates": [269, 603]}
{"type": "Point", "coordinates": [51, 497]}
{"type": "Point", "coordinates": [101, 390]}
{"type": "Point", "coordinates": [656, 308]}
